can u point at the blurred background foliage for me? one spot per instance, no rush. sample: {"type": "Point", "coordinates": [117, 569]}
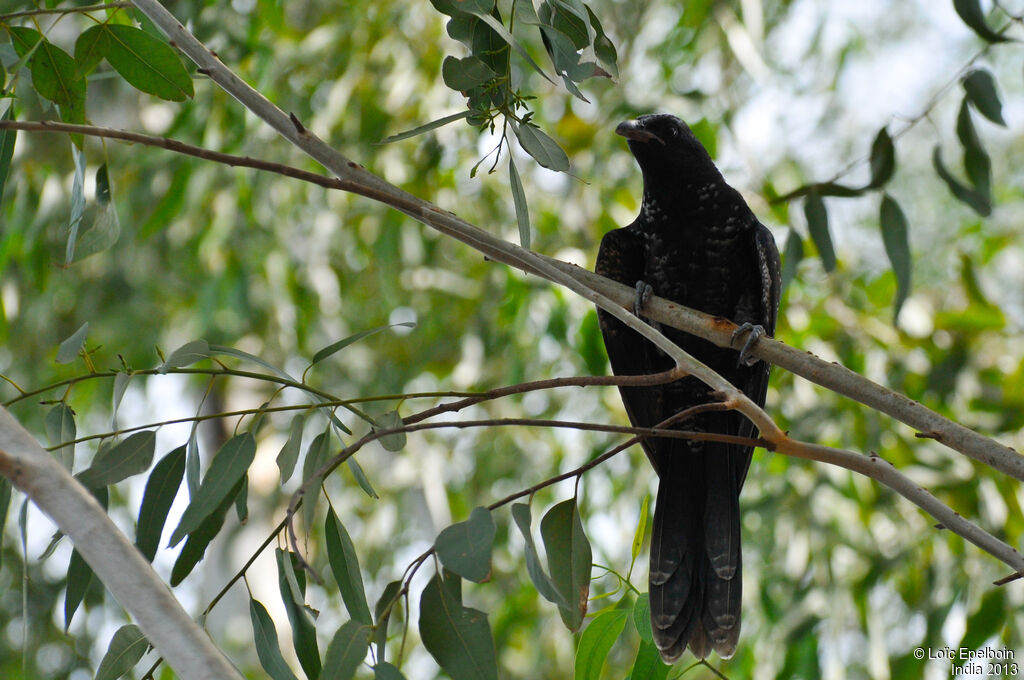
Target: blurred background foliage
{"type": "Point", "coordinates": [843, 579]}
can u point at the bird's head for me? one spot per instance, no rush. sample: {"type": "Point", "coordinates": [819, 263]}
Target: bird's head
{"type": "Point", "coordinates": [666, 149]}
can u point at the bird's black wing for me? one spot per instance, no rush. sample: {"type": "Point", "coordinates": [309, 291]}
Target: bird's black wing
{"type": "Point", "coordinates": [621, 258]}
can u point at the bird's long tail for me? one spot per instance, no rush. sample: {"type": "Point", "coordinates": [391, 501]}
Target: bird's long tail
{"type": "Point", "coordinates": [695, 577]}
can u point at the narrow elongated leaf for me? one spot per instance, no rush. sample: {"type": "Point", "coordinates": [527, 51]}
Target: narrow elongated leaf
{"type": "Point", "coordinates": [976, 159]}
{"type": "Point", "coordinates": [7, 139]}
{"type": "Point", "coordinates": [972, 198]}
{"type": "Point", "coordinates": [641, 528]}
{"type": "Point", "coordinates": [569, 559]}
{"type": "Point", "coordinates": [70, 347]}
{"type": "Point", "coordinates": [199, 540]}
{"type": "Point", "coordinates": [192, 463]}
{"type": "Point", "coordinates": [648, 664]}
{"type": "Point", "coordinates": [642, 617]}
{"type": "Point", "coordinates": [60, 428]}
{"type": "Point", "coordinates": [226, 471]}
{"type": "Point", "coordinates": [427, 127]}
{"type": "Point", "coordinates": [971, 14]}
{"type": "Point", "coordinates": [186, 355]}
{"type": "Point", "coordinates": [161, 489]}
{"type": "Point", "coordinates": [77, 204]}
{"type": "Point", "coordinates": [981, 91]}
{"type": "Point", "coordinates": [897, 247]}
{"type": "Point", "coordinates": [388, 602]}
{"type": "Point", "coordinates": [341, 553]}
{"type": "Point", "coordinates": [268, 647]}
{"type": "Point", "coordinates": [239, 354]}
{"type": "Point", "coordinates": [541, 581]}
{"type": "Point", "coordinates": [242, 501]}
{"type": "Point", "coordinates": [79, 576]}
{"type": "Point", "coordinates": [361, 478]}
{"type": "Point", "coordinates": [519, 200]}
{"type": "Point", "coordinates": [596, 641]}
{"type": "Point", "coordinates": [147, 63]}
{"type": "Point", "coordinates": [883, 159]}
{"type": "Point", "coordinates": [346, 651]}
{"type": "Point", "coordinates": [317, 455]}
{"type": "Point", "coordinates": [121, 381]}
{"type": "Point", "coordinates": [289, 454]}
{"type": "Point", "coordinates": [817, 224]}
{"type": "Point", "coordinates": [793, 252]}
{"type": "Point", "coordinates": [129, 457]}
{"type": "Point", "coordinates": [127, 646]}
{"type": "Point", "coordinates": [355, 337]}
{"type": "Point", "coordinates": [465, 547]}
{"type": "Point", "coordinates": [389, 421]}
{"type": "Point", "coordinates": [303, 630]}
{"type": "Point", "coordinates": [543, 149]}
{"type": "Point", "coordinates": [459, 638]}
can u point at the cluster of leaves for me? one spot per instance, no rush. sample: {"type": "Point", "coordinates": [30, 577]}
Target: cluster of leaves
{"type": "Point", "coordinates": [457, 636]}
{"type": "Point", "coordinates": [575, 43]}
{"type": "Point", "coordinates": [980, 94]}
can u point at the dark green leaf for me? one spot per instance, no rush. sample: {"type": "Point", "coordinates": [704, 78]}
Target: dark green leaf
{"type": "Point", "coordinates": [427, 127]}
{"type": "Point", "coordinates": [385, 671]}
{"type": "Point", "coordinates": [79, 576]}
{"type": "Point", "coordinates": [60, 428]}
{"type": "Point", "coordinates": [317, 455]}
{"type": "Point", "coordinates": [268, 648]}
{"type": "Point", "coordinates": [541, 581]}
{"type": "Point", "coordinates": [648, 664]}
{"type": "Point", "coordinates": [303, 630]}
{"type": "Point", "coordinates": [596, 641]}
{"type": "Point", "coordinates": [7, 139]}
{"type": "Point", "coordinates": [981, 91]}
{"type": "Point", "coordinates": [642, 617]}
{"type": "Point", "coordinates": [569, 559]}
{"type": "Point", "coordinates": [459, 638]}
{"type": "Point", "coordinates": [883, 159]}
{"type": "Point", "coordinates": [54, 73]}
{"type": "Point", "coordinates": [70, 347]}
{"type": "Point", "coordinates": [519, 200]}
{"type": "Point", "coordinates": [192, 462]}
{"type": "Point", "coordinates": [971, 14]}
{"type": "Point", "coordinates": [455, 7]}
{"type": "Point", "coordinates": [976, 160]}
{"type": "Point", "coordinates": [389, 421]}
{"type": "Point", "coordinates": [161, 489]}
{"type": "Point", "coordinates": [817, 224]}
{"type": "Point", "coordinates": [131, 456]}
{"type": "Point", "coordinates": [499, 28]}
{"type": "Point", "coordinates": [897, 247]}
{"type": "Point", "coordinates": [466, 73]}
{"type": "Point", "coordinates": [289, 454]}
{"type": "Point", "coordinates": [199, 540]}
{"type": "Point", "coordinates": [345, 342]}
{"type": "Point", "coordinates": [604, 49]}
{"type": "Point", "coordinates": [226, 472]}
{"type": "Point", "coordinates": [242, 501]}
{"type": "Point", "coordinates": [147, 63]}
{"type": "Point", "coordinates": [465, 547]}
{"type": "Point", "coordinates": [974, 199]}
{"type": "Point", "coordinates": [543, 149]}
{"type": "Point", "coordinates": [387, 603]}
{"type": "Point", "coordinates": [186, 355]}
{"type": "Point", "coordinates": [90, 47]}
{"type": "Point", "coordinates": [346, 651]}
{"type": "Point", "coordinates": [126, 648]}
{"type": "Point", "coordinates": [793, 252]}
{"type": "Point", "coordinates": [345, 565]}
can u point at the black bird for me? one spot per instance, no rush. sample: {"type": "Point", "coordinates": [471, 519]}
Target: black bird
{"type": "Point", "coordinates": [696, 243]}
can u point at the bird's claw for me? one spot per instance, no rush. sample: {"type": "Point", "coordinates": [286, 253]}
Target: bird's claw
{"type": "Point", "coordinates": [754, 333]}
{"type": "Point", "coordinates": [643, 294]}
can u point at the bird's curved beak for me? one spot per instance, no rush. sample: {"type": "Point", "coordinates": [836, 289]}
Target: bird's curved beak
{"type": "Point", "coordinates": [634, 130]}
